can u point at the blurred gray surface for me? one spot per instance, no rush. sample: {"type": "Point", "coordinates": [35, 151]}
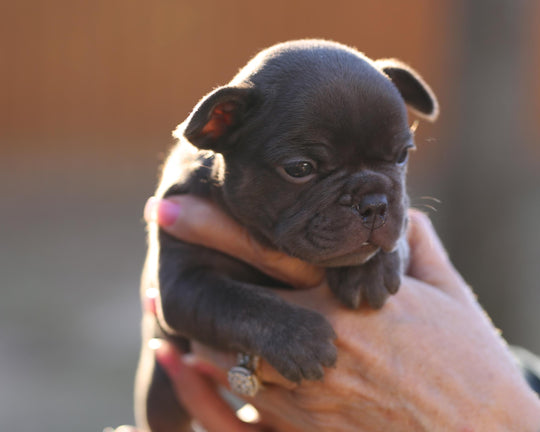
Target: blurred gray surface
{"type": "Point", "coordinates": [69, 318]}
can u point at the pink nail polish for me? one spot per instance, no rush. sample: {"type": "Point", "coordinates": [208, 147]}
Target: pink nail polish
{"type": "Point", "coordinates": [167, 212]}
{"type": "Point", "coordinates": [167, 357]}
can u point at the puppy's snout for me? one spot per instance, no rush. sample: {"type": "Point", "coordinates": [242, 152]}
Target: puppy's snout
{"type": "Point", "coordinates": [373, 209]}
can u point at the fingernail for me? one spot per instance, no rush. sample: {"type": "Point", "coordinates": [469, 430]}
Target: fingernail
{"type": "Point", "coordinates": [167, 212]}
{"type": "Point", "coordinates": [166, 356]}
{"type": "Point", "coordinates": [149, 305]}
{"type": "Point", "coordinates": [149, 301]}
{"type": "Point", "coordinates": [162, 211]}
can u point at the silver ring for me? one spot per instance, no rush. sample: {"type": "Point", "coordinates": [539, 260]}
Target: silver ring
{"type": "Point", "coordinates": [243, 377]}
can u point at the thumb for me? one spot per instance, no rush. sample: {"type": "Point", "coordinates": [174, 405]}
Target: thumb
{"type": "Point", "coordinates": [198, 221]}
{"type": "Point", "coordinates": [429, 260]}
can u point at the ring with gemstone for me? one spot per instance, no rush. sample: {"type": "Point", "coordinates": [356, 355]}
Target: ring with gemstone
{"type": "Point", "coordinates": [243, 377]}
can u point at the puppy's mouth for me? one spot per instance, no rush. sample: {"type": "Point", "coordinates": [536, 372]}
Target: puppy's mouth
{"type": "Point", "coordinates": [360, 256]}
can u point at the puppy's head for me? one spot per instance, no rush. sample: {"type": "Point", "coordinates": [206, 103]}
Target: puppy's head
{"type": "Point", "coordinates": [315, 138]}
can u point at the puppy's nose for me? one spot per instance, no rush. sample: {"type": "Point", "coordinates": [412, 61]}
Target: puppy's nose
{"type": "Point", "coordinates": [372, 209]}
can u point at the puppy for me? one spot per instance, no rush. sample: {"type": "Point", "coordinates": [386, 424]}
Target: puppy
{"type": "Point", "coordinates": [307, 148]}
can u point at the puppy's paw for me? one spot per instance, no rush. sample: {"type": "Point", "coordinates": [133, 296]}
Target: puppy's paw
{"type": "Point", "coordinates": [300, 345]}
{"type": "Point", "coordinates": [372, 282]}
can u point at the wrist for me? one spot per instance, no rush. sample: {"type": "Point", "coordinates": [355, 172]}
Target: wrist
{"type": "Point", "coordinates": [516, 408]}
{"type": "Point", "coordinates": [523, 410]}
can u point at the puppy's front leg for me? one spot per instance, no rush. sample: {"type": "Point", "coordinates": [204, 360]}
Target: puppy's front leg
{"type": "Point", "coordinates": [373, 281]}
{"type": "Point", "coordinates": [226, 314]}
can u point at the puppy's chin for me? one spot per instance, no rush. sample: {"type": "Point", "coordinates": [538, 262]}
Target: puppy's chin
{"type": "Point", "coordinates": [358, 257]}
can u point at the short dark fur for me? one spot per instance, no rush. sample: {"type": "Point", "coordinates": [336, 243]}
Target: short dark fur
{"type": "Point", "coordinates": [313, 101]}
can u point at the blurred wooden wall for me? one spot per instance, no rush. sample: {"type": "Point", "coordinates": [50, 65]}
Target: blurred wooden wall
{"type": "Point", "coordinates": [116, 69]}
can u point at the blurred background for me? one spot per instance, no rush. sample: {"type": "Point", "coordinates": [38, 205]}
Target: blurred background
{"type": "Point", "coordinates": [91, 91]}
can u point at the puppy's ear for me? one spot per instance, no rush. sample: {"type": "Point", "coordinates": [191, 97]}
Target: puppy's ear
{"type": "Point", "coordinates": [217, 116]}
{"type": "Point", "coordinates": [414, 90]}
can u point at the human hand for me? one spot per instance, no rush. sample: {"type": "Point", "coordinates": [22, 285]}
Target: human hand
{"type": "Point", "coordinates": [430, 360]}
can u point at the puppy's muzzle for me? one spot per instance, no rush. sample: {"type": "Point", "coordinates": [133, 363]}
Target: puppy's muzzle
{"type": "Point", "coordinates": [373, 209]}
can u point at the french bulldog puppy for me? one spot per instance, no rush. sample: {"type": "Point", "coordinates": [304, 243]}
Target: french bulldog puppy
{"type": "Point", "coordinates": [307, 148]}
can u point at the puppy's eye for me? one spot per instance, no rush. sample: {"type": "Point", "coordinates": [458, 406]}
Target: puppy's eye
{"type": "Point", "coordinates": [404, 155]}
{"type": "Point", "coordinates": [300, 171]}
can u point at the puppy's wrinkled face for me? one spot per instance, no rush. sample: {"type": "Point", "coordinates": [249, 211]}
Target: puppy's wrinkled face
{"type": "Point", "coordinates": [315, 139]}
{"type": "Point", "coordinates": [329, 189]}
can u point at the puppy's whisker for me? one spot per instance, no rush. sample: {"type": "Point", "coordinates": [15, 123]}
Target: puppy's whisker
{"type": "Point", "coordinates": [431, 205]}
{"type": "Point", "coordinates": [430, 198]}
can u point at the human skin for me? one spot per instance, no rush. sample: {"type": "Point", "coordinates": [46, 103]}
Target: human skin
{"type": "Point", "coordinates": [429, 360]}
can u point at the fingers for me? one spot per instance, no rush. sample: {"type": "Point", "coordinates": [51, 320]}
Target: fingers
{"type": "Point", "coordinates": [195, 220]}
{"type": "Point", "coordinates": [199, 394]}
{"type": "Point", "coordinates": [214, 363]}
{"type": "Point", "coordinates": [429, 261]}
{"type": "Point", "coordinates": [427, 251]}
{"type": "Point", "coordinates": [221, 362]}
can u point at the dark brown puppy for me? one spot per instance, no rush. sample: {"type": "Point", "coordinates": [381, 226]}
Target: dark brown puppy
{"type": "Point", "coordinates": [307, 148]}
